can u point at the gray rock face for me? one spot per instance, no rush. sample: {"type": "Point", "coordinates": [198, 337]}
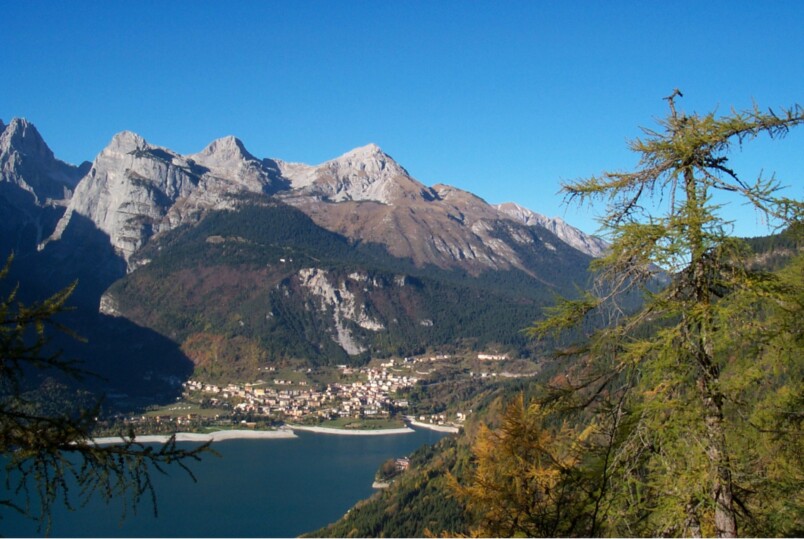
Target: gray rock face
{"type": "Point", "coordinates": [135, 190]}
{"type": "Point", "coordinates": [591, 245]}
{"type": "Point", "coordinates": [365, 173]}
{"type": "Point", "coordinates": [366, 196]}
{"type": "Point", "coordinates": [27, 162]}
{"type": "Point", "coordinates": [231, 168]}
{"type": "Point", "coordinates": [129, 190]}
{"type": "Point", "coordinates": [34, 187]}
{"type": "Point", "coordinates": [336, 300]}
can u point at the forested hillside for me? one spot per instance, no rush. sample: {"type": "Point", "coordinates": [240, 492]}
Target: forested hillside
{"type": "Point", "coordinates": [275, 286]}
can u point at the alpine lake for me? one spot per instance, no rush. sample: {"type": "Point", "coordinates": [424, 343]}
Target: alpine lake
{"type": "Point", "coordinates": [256, 488]}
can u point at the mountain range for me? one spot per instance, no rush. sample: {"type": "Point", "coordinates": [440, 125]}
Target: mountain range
{"type": "Point", "coordinates": [270, 260]}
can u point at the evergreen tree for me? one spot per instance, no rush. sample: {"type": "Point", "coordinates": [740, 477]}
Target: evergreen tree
{"type": "Point", "coordinates": [655, 377]}
{"type": "Point", "coordinates": [527, 481]}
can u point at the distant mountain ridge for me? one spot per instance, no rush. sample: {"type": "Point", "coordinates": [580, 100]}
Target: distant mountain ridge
{"type": "Point", "coordinates": [328, 262]}
{"type": "Point", "coordinates": [134, 190]}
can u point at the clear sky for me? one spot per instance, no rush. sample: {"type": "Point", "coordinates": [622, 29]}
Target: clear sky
{"type": "Point", "coordinates": [504, 99]}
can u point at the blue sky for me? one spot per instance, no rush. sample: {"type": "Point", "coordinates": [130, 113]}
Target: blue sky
{"type": "Point", "coordinates": [504, 99]}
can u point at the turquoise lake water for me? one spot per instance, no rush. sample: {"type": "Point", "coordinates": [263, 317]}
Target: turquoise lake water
{"type": "Point", "coordinates": [258, 488]}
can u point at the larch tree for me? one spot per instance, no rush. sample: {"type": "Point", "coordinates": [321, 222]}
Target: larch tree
{"type": "Point", "coordinates": [527, 481]}
{"type": "Point", "coordinates": [662, 363]}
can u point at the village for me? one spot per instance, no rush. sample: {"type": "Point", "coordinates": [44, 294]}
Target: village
{"type": "Point", "coordinates": [369, 397]}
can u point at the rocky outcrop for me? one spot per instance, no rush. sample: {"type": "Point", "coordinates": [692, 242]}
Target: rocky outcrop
{"type": "Point", "coordinates": [230, 167]}
{"type": "Point", "coordinates": [336, 299]}
{"type": "Point", "coordinates": [591, 245]}
{"type": "Point", "coordinates": [129, 190]}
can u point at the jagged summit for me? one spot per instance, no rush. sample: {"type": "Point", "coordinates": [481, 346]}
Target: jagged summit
{"type": "Point", "coordinates": [19, 123]}
{"type": "Point", "coordinates": [369, 158]}
{"type": "Point", "coordinates": [127, 141]}
{"type": "Point", "coordinates": [232, 168]}
{"type": "Point", "coordinates": [227, 149]}
{"type": "Point", "coordinates": [362, 174]}
{"type": "Point", "coordinates": [27, 162]}
{"type": "Point", "coordinates": [135, 190]}
{"type": "Point", "coordinates": [369, 150]}
{"type": "Point", "coordinates": [16, 123]}
{"type": "Point", "coordinates": [227, 144]}
{"type": "Point", "coordinates": [22, 136]}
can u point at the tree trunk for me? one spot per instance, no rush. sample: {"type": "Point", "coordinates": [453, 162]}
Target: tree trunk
{"type": "Point", "coordinates": [725, 516]}
{"type": "Point", "coordinates": [709, 374]}
{"type": "Point", "coordinates": [692, 526]}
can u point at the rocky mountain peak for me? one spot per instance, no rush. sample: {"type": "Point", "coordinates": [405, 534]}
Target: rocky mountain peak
{"type": "Point", "coordinates": [226, 150]}
{"type": "Point", "coordinates": [369, 159]}
{"type": "Point", "coordinates": [128, 192]}
{"type": "Point", "coordinates": [127, 141]}
{"type": "Point", "coordinates": [363, 174]}
{"type": "Point", "coordinates": [522, 214]}
{"type": "Point", "coordinates": [365, 152]}
{"type": "Point", "coordinates": [28, 163]}
{"type": "Point", "coordinates": [23, 137]}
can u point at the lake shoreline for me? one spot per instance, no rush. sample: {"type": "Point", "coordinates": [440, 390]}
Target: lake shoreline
{"type": "Point", "coordinates": [216, 436]}
{"type": "Point", "coordinates": [430, 426]}
{"type": "Point", "coordinates": [352, 432]}
{"type": "Point", "coordinates": [285, 432]}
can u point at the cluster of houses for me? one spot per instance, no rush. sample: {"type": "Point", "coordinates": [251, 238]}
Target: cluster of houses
{"type": "Point", "coordinates": [375, 395]}
{"type": "Point", "coordinates": [286, 399]}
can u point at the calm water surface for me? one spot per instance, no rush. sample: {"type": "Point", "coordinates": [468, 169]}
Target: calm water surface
{"type": "Point", "coordinates": [258, 488]}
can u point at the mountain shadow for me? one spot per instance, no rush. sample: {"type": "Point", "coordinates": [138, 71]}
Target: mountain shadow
{"type": "Point", "coordinates": [83, 253]}
{"type": "Point", "coordinates": [131, 366]}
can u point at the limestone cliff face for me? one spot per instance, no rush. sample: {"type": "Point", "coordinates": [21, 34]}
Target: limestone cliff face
{"type": "Point", "coordinates": [335, 300]}
{"type": "Point", "coordinates": [135, 190]}
{"type": "Point", "coordinates": [129, 190]}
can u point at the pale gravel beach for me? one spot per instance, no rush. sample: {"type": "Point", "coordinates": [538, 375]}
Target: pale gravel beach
{"type": "Point", "coordinates": [217, 436]}
{"type": "Point", "coordinates": [430, 426]}
{"type": "Point", "coordinates": [355, 432]}
{"type": "Point", "coordinates": [281, 433]}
